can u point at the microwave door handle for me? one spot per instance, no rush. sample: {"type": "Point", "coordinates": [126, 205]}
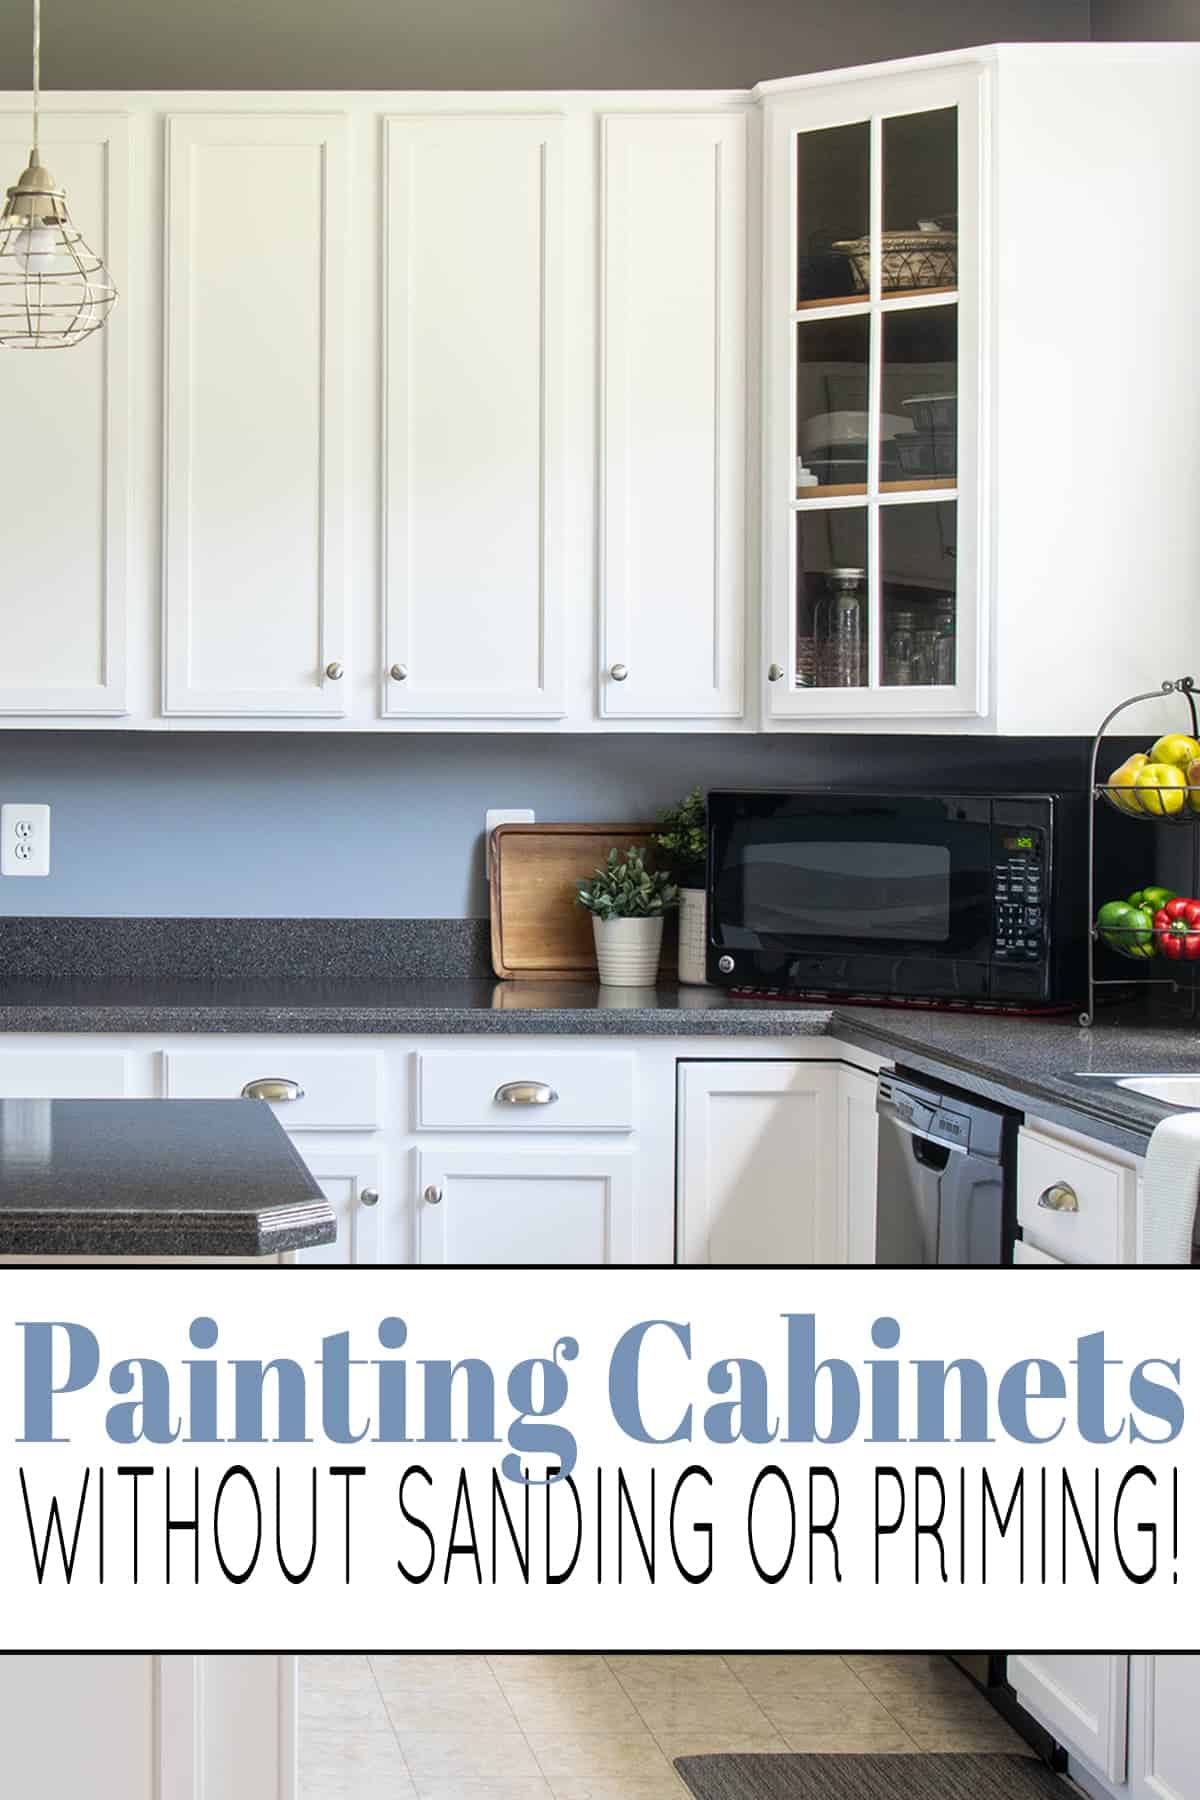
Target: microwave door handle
{"type": "Point", "coordinates": [887, 1110]}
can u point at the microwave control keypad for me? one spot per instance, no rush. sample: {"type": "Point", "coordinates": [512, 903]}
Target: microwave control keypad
{"type": "Point", "coordinates": [1018, 910]}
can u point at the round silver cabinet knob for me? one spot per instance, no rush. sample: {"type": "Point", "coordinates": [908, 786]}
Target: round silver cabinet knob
{"type": "Point", "coordinates": [398, 672]}
{"type": "Point", "coordinates": [619, 672]}
{"type": "Point", "coordinates": [432, 1196]}
{"type": "Point", "coordinates": [334, 671]}
{"type": "Point", "coordinates": [369, 1196]}
{"type": "Point", "coordinates": [775, 672]}
{"type": "Point", "coordinates": [725, 965]}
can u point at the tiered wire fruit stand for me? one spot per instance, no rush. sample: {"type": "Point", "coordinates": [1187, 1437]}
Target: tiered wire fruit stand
{"type": "Point", "coordinates": [1186, 815]}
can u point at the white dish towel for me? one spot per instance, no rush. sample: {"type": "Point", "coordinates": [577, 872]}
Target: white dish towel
{"type": "Point", "coordinates": [1168, 1212]}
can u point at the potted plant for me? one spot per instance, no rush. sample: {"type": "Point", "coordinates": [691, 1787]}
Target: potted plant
{"type": "Point", "coordinates": [683, 840]}
{"type": "Point", "coordinates": [627, 902]}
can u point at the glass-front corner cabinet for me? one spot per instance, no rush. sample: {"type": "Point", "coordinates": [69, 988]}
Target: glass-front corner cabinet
{"type": "Point", "coordinates": [871, 408]}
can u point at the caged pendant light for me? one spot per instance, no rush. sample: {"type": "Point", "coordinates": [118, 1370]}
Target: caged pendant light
{"type": "Point", "coordinates": [54, 291]}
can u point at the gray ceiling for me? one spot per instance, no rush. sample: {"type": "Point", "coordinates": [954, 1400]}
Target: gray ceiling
{"type": "Point", "coordinates": [496, 43]}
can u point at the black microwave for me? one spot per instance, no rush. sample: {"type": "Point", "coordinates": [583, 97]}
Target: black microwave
{"type": "Point", "coordinates": [948, 897]}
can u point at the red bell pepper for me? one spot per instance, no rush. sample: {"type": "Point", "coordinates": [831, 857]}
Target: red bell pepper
{"type": "Point", "coordinates": [1177, 930]}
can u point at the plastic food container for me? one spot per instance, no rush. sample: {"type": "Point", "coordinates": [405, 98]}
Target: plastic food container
{"type": "Point", "coordinates": [930, 453]}
{"type": "Point", "coordinates": [933, 412]}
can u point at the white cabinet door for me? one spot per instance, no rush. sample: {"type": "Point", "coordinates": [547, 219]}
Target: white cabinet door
{"type": "Point", "coordinates": [1165, 1712]}
{"type": "Point", "coordinates": [858, 1144]}
{"type": "Point", "coordinates": [66, 430]}
{"type": "Point", "coordinates": [76, 1725]}
{"type": "Point", "coordinates": [1083, 1700]}
{"type": "Point", "coordinates": [758, 1163]}
{"type": "Point", "coordinates": [672, 483]}
{"type": "Point", "coordinates": [351, 1184]}
{"type": "Point", "coordinates": [892, 530]}
{"type": "Point", "coordinates": [473, 417]}
{"type": "Point", "coordinates": [256, 252]}
{"type": "Point", "coordinates": [541, 1206]}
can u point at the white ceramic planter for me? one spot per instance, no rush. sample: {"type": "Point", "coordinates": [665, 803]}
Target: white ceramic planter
{"type": "Point", "coordinates": [627, 951]}
{"type": "Point", "coordinates": [693, 936]}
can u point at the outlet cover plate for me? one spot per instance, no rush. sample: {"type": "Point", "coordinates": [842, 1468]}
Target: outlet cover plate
{"type": "Point", "coordinates": [505, 815]}
{"type": "Point", "coordinates": [24, 838]}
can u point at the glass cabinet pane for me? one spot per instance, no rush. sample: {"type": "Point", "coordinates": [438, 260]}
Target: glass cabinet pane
{"type": "Point", "coordinates": [919, 605]}
{"type": "Point", "coordinates": [919, 404]}
{"type": "Point", "coordinates": [833, 189]}
{"type": "Point", "coordinates": [920, 203]}
{"type": "Point", "coordinates": [833, 360]}
{"type": "Point", "coordinates": [832, 602]}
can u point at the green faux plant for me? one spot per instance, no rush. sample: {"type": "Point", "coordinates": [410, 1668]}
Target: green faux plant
{"type": "Point", "coordinates": [683, 839]}
{"type": "Point", "coordinates": [624, 888]}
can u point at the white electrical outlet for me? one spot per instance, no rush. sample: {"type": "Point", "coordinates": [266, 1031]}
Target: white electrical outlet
{"type": "Point", "coordinates": [24, 839]}
{"type": "Point", "coordinates": [504, 815]}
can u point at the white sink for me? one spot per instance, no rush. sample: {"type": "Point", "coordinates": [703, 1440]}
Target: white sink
{"type": "Point", "coordinates": [1174, 1090]}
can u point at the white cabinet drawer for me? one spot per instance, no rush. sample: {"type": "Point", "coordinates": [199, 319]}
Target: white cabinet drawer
{"type": "Point", "coordinates": [62, 1075]}
{"type": "Point", "coordinates": [512, 1090]}
{"type": "Point", "coordinates": [1096, 1224]}
{"type": "Point", "coordinates": [334, 1090]}
{"type": "Point", "coordinates": [1030, 1257]}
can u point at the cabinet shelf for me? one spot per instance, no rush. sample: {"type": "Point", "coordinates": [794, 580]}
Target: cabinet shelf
{"type": "Point", "coordinates": [850, 490]}
{"type": "Point", "coordinates": [851, 302]}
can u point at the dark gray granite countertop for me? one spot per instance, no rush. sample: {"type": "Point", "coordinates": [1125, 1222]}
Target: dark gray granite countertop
{"type": "Point", "coordinates": [157, 1178]}
{"type": "Point", "coordinates": [1037, 1065]}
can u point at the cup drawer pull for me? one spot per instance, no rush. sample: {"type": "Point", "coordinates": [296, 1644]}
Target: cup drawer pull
{"type": "Point", "coordinates": [1059, 1197]}
{"type": "Point", "coordinates": [273, 1087]}
{"type": "Point", "coordinates": [525, 1093]}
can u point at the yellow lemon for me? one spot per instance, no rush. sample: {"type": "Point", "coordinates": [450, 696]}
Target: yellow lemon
{"type": "Point", "coordinates": [1161, 788]}
{"type": "Point", "coordinates": [1121, 783]}
{"type": "Point", "coordinates": [1177, 749]}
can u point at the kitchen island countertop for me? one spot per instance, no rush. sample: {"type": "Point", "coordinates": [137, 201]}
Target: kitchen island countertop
{"type": "Point", "coordinates": [1044, 1066]}
{"type": "Point", "coordinates": [153, 1178]}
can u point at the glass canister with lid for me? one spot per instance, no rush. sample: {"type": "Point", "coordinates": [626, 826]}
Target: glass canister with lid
{"type": "Point", "coordinates": [843, 650]}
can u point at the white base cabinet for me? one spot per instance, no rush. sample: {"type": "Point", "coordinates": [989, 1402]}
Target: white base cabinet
{"type": "Point", "coordinates": [540, 1205]}
{"type": "Point", "coordinates": [1130, 1723]}
{"type": "Point", "coordinates": [532, 1150]}
{"type": "Point", "coordinates": [1083, 1701]}
{"type": "Point", "coordinates": [776, 1162]}
{"type": "Point", "coordinates": [1164, 1752]}
{"type": "Point", "coordinates": [352, 1185]}
{"type": "Point", "coordinates": [148, 1727]}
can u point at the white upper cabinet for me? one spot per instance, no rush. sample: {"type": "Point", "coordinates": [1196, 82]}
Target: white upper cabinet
{"type": "Point", "coordinates": [871, 467]}
{"type": "Point", "coordinates": [256, 256]}
{"type": "Point", "coordinates": [473, 417]}
{"type": "Point", "coordinates": [673, 415]}
{"type": "Point", "coordinates": [1096, 463]}
{"type": "Point", "coordinates": [65, 458]}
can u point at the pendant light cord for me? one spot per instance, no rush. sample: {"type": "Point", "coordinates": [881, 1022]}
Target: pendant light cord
{"type": "Point", "coordinates": [37, 71]}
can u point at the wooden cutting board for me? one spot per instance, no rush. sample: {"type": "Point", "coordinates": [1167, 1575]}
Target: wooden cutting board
{"type": "Point", "coordinates": [538, 932]}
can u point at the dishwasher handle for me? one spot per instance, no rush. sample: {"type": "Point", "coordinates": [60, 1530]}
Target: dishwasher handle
{"type": "Point", "coordinates": [887, 1108]}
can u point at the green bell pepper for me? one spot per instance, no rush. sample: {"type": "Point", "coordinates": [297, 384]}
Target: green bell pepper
{"type": "Point", "coordinates": [1152, 898]}
{"type": "Point", "coordinates": [1127, 929]}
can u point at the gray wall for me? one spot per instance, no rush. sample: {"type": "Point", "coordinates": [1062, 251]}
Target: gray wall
{"type": "Point", "coordinates": [497, 43]}
{"type": "Point", "coordinates": [1131, 20]}
{"type": "Point", "coordinates": [286, 826]}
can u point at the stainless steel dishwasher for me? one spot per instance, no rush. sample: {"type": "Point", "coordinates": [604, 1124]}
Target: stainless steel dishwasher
{"type": "Point", "coordinates": [945, 1188]}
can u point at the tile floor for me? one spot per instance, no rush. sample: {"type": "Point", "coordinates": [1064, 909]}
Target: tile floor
{"type": "Point", "coordinates": [607, 1728]}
